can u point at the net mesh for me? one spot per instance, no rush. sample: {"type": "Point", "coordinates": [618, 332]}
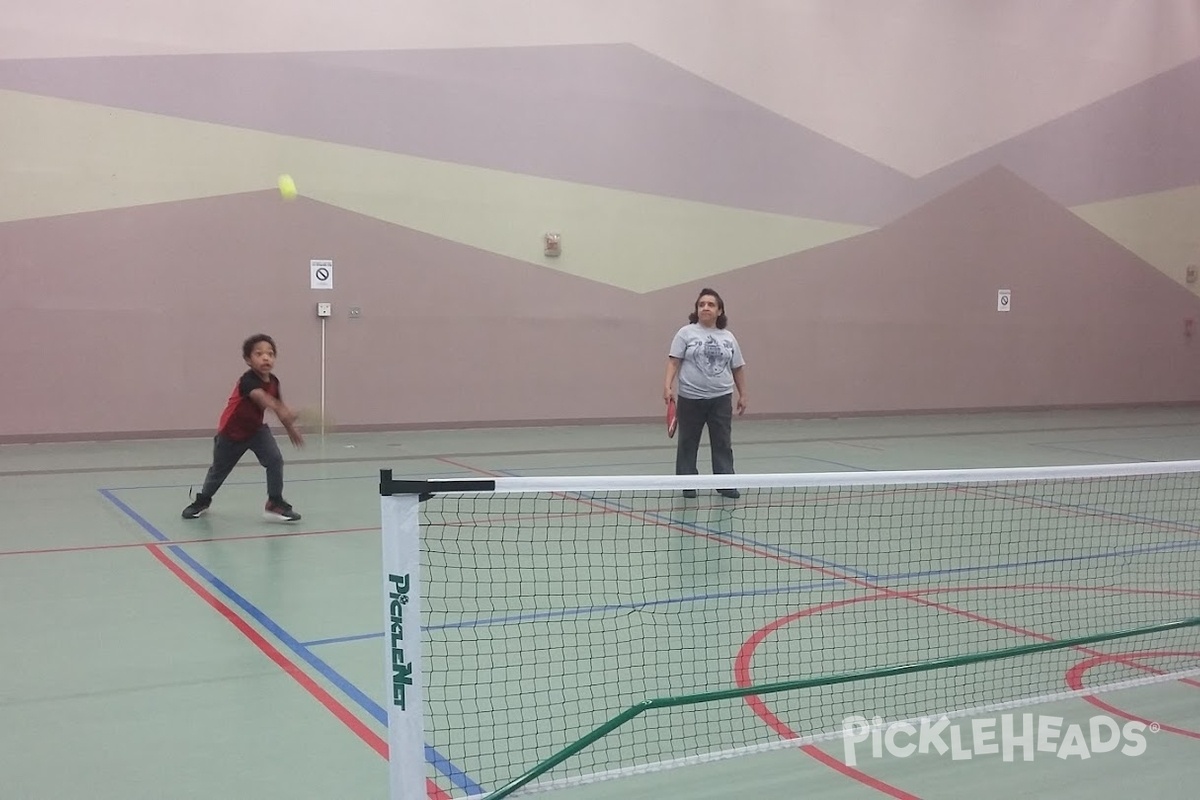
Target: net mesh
{"type": "Point", "coordinates": [549, 612]}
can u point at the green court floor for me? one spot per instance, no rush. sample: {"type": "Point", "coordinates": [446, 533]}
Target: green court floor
{"type": "Point", "coordinates": [147, 656]}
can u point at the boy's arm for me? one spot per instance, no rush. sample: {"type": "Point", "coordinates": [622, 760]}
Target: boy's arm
{"type": "Point", "coordinates": [287, 417]}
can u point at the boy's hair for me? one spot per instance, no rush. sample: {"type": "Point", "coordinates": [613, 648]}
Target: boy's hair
{"type": "Point", "coordinates": [722, 320]}
{"type": "Point", "coordinates": [248, 345]}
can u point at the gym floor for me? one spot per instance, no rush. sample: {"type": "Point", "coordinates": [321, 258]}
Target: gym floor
{"type": "Point", "coordinates": [147, 656]}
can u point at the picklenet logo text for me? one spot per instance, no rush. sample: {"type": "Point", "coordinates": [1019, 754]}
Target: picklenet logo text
{"type": "Point", "coordinates": [1004, 736]}
{"type": "Point", "coordinates": [401, 667]}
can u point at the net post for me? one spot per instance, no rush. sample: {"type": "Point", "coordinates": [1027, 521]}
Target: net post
{"type": "Point", "coordinates": [402, 640]}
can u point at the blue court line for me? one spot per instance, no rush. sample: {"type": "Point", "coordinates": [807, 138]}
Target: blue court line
{"type": "Point", "coordinates": [345, 639]}
{"type": "Point", "coordinates": [535, 616]}
{"type": "Point", "coordinates": [668, 519]}
{"type": "Point", "coordinates": [783, 551]}
{"type": "Point", "coordinates": [1097, 510]}
{"type": "Point", "coordinates": [654, 515]}
{"type": "Point", "coordinates": [374, 477]}
{"type": "Point", "coordinates": [883, 580]}
{"type": "Point", "coordinates": [1167, 547]}
{"type": "Point", "coordinates": [259, 482]}
{"type": "Point", "coordinates": [443, 765]}
{"type": "Point", "coordinates": [997, 495]}
{"type": "Point", "coordinates": [576, 469]}
{"type": "Point", "coordinates": [871, 576]}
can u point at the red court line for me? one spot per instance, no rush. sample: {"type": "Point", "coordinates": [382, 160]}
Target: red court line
{"type": "Point", "coordinates": [915, 596]}
{"type": "Point", "coordinates": [742, 678]}
{"type": "Point", "coordinates": [642, 516]}
{"type": "Point", "coordinates": [372, 739]}
{"type": "Point", "coordinates": [881, 592]}
{"type": "Point", "coordinates": [1079, 511]}
{"type": "Point", "coordinates": [1075, 677]}
{"type": "Point", "coordinates": [209, 540]}
{"type": "Point", "coordinates": [810, 750]}
{"type": "Point", "coordinates": [857, 444]}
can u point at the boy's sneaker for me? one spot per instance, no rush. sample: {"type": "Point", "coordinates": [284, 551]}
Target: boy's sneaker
{"type": "Point", "coordinates": [198, 506]}
{"type": "Point", "coordinates": [280, 510]}
{"type": "Point", "coordinates": [732, 494]}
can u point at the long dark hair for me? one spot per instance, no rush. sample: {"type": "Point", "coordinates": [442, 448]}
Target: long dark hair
{"type": "Point", "coordinates": [722, 320]}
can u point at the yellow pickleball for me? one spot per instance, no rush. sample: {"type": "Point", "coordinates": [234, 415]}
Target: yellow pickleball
{"type": "Point", "coordinates": [287, 187]}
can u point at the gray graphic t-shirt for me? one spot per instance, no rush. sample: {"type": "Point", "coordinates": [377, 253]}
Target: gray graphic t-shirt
{"type": "Point", "coordinates": [708, 357]}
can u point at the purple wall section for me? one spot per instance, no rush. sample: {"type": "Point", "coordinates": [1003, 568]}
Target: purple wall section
{"type": "Point", "coordinates": [1139, 140]}
{"type": "Point", "coordinates": [146, 330]}
{"type": "Point", "coordinates": [905, 317]}
{"type": "Point", "coordinates": [131, 321]}
{"type": "Point", "coordinates": [616, 116]}
{"type": "Point", "coordinates": [605, 115]}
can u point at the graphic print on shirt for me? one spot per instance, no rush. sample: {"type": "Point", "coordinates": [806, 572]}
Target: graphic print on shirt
{"type": "Point", "coordinates": [713, 356]}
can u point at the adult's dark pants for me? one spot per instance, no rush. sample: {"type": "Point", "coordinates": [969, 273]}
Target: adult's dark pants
{"type": "Point", "coordinates": [693, 416]}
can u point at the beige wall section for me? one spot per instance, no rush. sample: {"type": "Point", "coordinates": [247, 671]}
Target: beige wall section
{"type": "Point", "coordinates": [70, 157]}
{"type": "Point", "coordinates": [900, 319]}
{"type": "Point", "coordinates": [77, 157]}
{"type": "Point", "coordinates": [1163, 228]}
{"type": "Point", "coordinates": [633, 241]}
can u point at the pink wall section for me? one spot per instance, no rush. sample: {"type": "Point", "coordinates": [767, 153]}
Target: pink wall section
{"type": "Point", "coordinates": [905, 318]}
{"type": "Point", "coordinates": [130, 321]}
{"type": "Point", "coordinates": [144, 332]}
{"type": "Point", "coordinates": [961, 140]}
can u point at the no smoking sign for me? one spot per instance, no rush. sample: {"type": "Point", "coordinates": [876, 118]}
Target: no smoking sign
{"type": "Point", "coordinates": [321, 273]}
